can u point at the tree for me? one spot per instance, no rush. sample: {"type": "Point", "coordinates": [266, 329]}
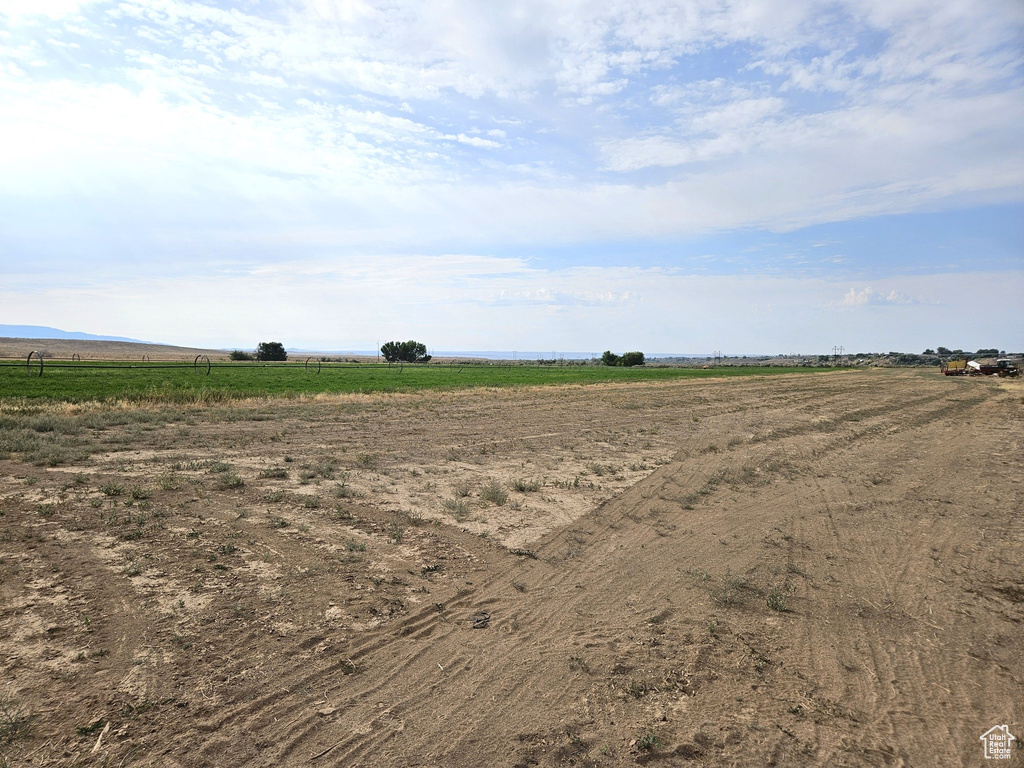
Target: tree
{"type": "Point", "coordinates": [944, 351]}
{"type": "Point", "coordinates": [404, 352]}
{"type": "Point", "coordinates": [928, 352]}
{"type": "Point", "coordinates": [271, 350]}
{"type": "Point", "coordinates": [626, 360]}
{"type": "Point", "coordinates": [238, 354]}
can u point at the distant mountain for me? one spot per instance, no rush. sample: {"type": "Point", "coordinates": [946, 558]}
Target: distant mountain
{"type": "Point", "coordinates": [44, 332]}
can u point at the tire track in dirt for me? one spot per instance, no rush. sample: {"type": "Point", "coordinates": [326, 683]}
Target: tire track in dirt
{"type": "Point", "coordinates": [627, 501]}
{"type": "Point", "coordinates": [886, 665]}
{"type": "Point", "coordinates": [903, 685]}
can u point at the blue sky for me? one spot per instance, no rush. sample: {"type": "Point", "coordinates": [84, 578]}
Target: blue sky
{"type": "Point", "coordinates": [759, 176]}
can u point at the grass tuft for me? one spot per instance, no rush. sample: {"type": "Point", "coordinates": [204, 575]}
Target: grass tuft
{"type": "Point", "coordinates": [457, 508]}
{"type": "Point", "coordinates": [274, 473]}
{"type": "Point", "coordinates": [230, 480]}
{"type": "Point", "coordinates": [494, 493]}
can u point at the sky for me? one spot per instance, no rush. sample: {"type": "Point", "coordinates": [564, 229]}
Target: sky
{"type": "Point", "coordinates": [743, 176]}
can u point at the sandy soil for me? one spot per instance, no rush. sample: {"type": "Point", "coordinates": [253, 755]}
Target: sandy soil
{"type": "Point", "coordinates": [806, 570]}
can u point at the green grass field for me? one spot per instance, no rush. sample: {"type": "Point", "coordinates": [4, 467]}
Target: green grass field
{"type": "Point", "coordinates": [90, 381]}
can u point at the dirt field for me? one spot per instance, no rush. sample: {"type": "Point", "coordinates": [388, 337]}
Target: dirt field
{"type": "Point", "coordinates": [88, 349]}
{"type": "Point", "coordinates": [806, 570]}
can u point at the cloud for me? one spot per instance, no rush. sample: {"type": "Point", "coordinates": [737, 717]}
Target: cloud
{"type": "Point", "coordinates": [869, 295]}
{"type": "Point", "coordinates": [254, 96]}
{"type": "Point", "coordinates": [25, 10]}
{"type": "Point", "coordinates": [586, 50]}
{"type": "Point", "coordinates": [560, 298]}
{"type": "Point", "coordinates": [475, 141]}
{"type": "Point", "coordinates": [729, 129]}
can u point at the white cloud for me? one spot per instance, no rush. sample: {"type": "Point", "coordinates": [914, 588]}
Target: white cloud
{"type": "Point", "coordinates": [868, 295]}
{"type": "Point", "coordinates": [475, 141]}
{"type": "Point", "coordinates": [588, 50]}
{"type": "Point", "coordinates": [24, 10]}
{"type": "Point", "coordinates": [553, 297]}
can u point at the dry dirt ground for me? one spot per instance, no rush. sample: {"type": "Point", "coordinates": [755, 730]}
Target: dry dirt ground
{"type": "Point", "coordinates": [804, 570]}
{"type": "Point", "coordinates": [88, 349]}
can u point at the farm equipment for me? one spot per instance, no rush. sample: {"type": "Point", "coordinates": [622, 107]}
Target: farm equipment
{"type": "Point", "coordinates": [1002, 367]}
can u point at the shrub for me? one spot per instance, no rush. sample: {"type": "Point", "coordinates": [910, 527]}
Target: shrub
{"type": "Point", "coordinates": [648, 742]}
{"type": "Point", "coordinates": [366, 460]}
{"type": "Point", "coordinates": [777, 600]}
{"type": "Point", "coordinates": [238, 354]}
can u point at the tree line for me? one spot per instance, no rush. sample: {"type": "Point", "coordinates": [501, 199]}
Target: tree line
{"type": "Point", "coordinates": [945, 352]}
{"type": "Point", "coordinates": [393, 351]}
{"type": "Point", "coordinates": [411, 352]}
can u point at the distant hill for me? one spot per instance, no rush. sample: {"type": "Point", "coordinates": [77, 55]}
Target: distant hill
{"type": "Point", "coordinates": [45, 332]}
{"type": "Point", "coordinates": [92, 347]}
